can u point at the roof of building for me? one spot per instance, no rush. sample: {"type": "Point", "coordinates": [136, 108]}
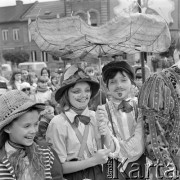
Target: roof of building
{"type": "Point", "coordinates": [46, 9]}
{"type": "Point", "coordinates": [13, 13]}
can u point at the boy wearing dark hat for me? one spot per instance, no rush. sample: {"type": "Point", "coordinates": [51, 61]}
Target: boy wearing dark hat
{"type": "Point", "coordinates": [122, 116]}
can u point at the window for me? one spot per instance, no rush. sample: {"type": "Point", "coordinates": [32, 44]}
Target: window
{"type": "Point", "coordinates": [5, 34]}
{"type": "Point", "coordinates": [15, 34]}
{"type": "Point", "coordinates": [33, 56]}
{"type": "Point", "coordinates": [44, 56]}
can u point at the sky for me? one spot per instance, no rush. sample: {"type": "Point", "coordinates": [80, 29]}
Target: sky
{"type": "Point", "coordinates": [13, 2]}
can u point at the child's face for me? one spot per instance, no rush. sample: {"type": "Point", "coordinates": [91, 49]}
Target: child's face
{"type": "Point", "coordinates": [17, 77]}
{"type": "Point", "coordinates": [55, 81]}
{"type": "Point", "coordinates": [23, 130]}
{"type": "Point", "coordinates": [34, 79]}
{"type": "Point", "coordinates": [43, 84]}
{"type": "Point", "coordinates": [24, 73]}
{"type": "Point", "coordinates": [120, 86]}
{"type": "Point", "coordinates": [45, 73]}
{"type": "Point", "coordinates": [79, 95]}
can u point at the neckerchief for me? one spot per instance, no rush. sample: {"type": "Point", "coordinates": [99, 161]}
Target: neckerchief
{"type": "Point", "coordinates": [125, 106]}
{"type": "Point", "coordinates": [84, 119]}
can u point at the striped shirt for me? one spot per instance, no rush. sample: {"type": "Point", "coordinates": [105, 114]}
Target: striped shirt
{"type": "Point", "coordinates": [7, 171]}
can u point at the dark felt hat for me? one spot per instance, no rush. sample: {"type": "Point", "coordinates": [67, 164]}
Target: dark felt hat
{"type": "Point", "coordinates": [73, 75]}
{"type": "Point", "coordinates": [118, 65]}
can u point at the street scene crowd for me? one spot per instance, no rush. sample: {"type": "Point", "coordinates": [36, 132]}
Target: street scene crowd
{"type": "Point", "coordinates": [70, 124]}
{"type": "Point", "coordinates": [119, 119]}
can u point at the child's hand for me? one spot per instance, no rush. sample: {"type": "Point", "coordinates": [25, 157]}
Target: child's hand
{"type": "Point", "coordinates": [101, 156]}
{"type": "Point", "coordinates": [103, 130]}
{"type": "Point", "coordinates": [101, 114]}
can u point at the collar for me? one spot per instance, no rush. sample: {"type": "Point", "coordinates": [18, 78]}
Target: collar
{"type": "Point", "coordinates": [9, 149]}
{"type": "Point", "coordinates": [71, 114]}
{"type": "Point", "coordinates": [6, 151]}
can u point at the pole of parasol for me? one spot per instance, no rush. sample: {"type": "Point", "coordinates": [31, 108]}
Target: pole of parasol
{"type": "Point", "coordinates": [100, 89]}
{"type": "Point", "coordinates": [141, 53]}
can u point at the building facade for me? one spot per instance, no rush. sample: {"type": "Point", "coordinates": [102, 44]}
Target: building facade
{"type": "Point", "coordinates": [14, 34]}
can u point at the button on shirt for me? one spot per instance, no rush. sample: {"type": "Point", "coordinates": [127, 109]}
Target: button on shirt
{"type": "Point", "coordinates": [64, 139]}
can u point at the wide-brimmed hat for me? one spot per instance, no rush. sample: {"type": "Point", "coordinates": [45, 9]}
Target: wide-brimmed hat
{"type": "Point", "coordinates": [118, 65]}
{"type": "Point", "coordinates": [15, 103]}
{"type": "Point", "coordinates": [73, 75]}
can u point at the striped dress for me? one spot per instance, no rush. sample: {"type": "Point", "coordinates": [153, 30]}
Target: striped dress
{"type": "Point", "coordinates": [7, 171]}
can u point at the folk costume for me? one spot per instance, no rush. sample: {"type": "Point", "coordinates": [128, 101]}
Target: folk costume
{"type": "Point", "coordinates": [125, 122]}
{"type": "Point", "coordinates": [159, 101]}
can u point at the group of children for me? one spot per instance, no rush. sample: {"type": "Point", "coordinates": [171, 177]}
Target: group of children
{"type": "Point", "coordinates": [79, 140]}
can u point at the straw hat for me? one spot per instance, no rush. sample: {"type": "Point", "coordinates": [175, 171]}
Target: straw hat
{"type": "Point", "coordinates": [15, 103]}
{"type": "Point", "coordinates": [74, 75]}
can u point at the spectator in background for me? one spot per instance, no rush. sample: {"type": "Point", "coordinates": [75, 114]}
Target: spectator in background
{"type": "Point", "coordinates": [138, 79]}
{"type": "Point", "coordinates": [43, 93]}
{"type": "Point", "coordinates": [89, 71]}
{"type": "Point", "coordinates": [44, 120]}
{"type": "Point", "coordinates": [32, 80]}
{"type": "Point", "coordinates": [45, 72]}
{"type": "Point", "coordinates": [26, 88]}
{"type": "Point", "coordinates": [24, 75]}
{"type": "Point", "coordinates": [16, 79]}
{"type": "Point", "coordinates": [2, 78]}
{"type": "Point", "coordinates": [54, 82]}
{"type": "Point", "coordinates": [3, 87]}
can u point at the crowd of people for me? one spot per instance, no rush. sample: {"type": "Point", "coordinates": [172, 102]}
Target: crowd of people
{"type": "Point", "coordinates": [71, 125]}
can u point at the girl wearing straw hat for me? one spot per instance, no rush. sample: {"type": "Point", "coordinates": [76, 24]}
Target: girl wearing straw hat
{"type": "Point", "coordinates": [75, 133]}
{"type": "Point", "coordinates": [20, 157]}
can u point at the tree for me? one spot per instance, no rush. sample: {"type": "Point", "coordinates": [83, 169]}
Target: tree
{"type": "Point", "coordinates": [16, 57]}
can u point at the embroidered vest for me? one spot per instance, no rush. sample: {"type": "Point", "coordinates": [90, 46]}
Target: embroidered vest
{"type": "Point", "coordinates": [159, 101]}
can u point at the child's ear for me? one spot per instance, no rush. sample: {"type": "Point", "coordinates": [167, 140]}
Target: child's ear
{"type": "Point", "coordinates": [7, 129]}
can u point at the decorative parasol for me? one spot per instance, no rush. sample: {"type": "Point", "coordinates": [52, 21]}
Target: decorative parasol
{"type": "Point", "coordinates": [71, 37]}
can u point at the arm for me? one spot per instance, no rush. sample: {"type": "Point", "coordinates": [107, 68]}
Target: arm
{"type": "Point", "coordinates": [102, 119]}
{"type": "Point", "coordinates": [100, 157]}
